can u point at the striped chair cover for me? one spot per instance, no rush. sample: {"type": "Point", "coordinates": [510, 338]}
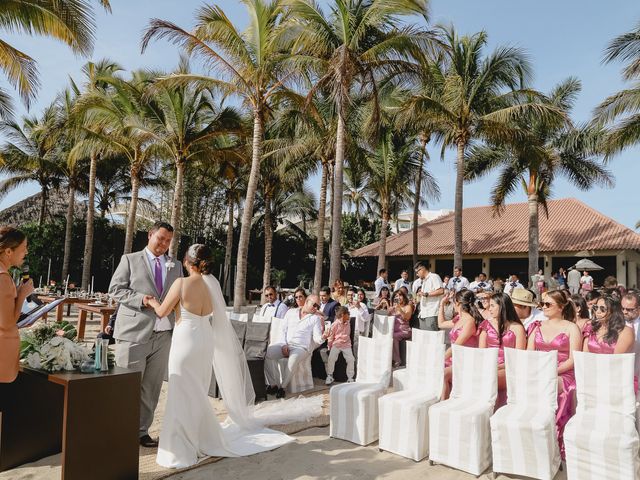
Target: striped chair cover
{"type": "Point", "coordinates": [354, 406]}
{"type": "Point", "coordinates": [459, 431]}
{"type": "Point", "coordinates": [302, 378]}
{"type": "Point", "coordinates": [601, 440]}
{"type": "Point", "coordinates": [423, 337]}
{"type": "Point", "coordinates": [404, 425]}
{"type": "Point", "coordinates": [383, 325]}
{"type": "Point", "coordinates": [523, 432]}
{"type": "Point", "coordinates": [239, 317]}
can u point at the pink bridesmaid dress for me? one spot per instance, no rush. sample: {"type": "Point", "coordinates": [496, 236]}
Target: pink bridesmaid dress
{"type": "Point", "coordinates": [567, 385]}
{"type": "Point", "coordinates": [509, 341]}
{"type": "Point", "coordinates": [472, 341]}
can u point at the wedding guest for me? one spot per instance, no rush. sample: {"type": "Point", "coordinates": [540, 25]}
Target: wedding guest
{"type": "Point", "coordinates": [586, 283]}
{"type": "Point", "coordinates": [402, 311]}
{"type": "Point", "coordinates": [13, 249]}
{"type": "Point", "coordinates": [359, 311]}
{"type": "Point", "coordinates": [339, 341]}
{"type": "Point", "coordinates": [428, 292]}
{"type": "Point", "coordinates": [362, 297]}
{"type": "Point", "coordinates": [273, 306]}
{"type": "Point", "coordinates": [483, 301]}
{"type": "Point", "coordinates": [630, 309]}
{"type": "Point", "coordinates": [381, 281]}
{"type": "Point", "coordinates": [502, 329]}
{"type": "Point", "coordinates": [582, 312]}
{"type": "Point", "coordinates": [481, 284]}
{"type": "Point", "coordinates": [560, 333]}
{"type": "Point", "coordinates": [591, 298]}
{"type": "Point", "coordinates": [328, 305]}
{"type": "Point", "coordinates": [608, 332]}
{"type": "Point", "coordinates": [339, 294]}
{"type": "Point", "coordinates": [383, 300]}
{"type": "Point", "coordinates": [445, 282]}
{"type": "Point", "coordinates": [524, 302]}
{"type": "Point", "coordinates": [299, 298]}
{"type": "Point", "coordinates": [457, 282]}
{"type": "Point", "coordinates": [514, 282]}
{"type": "Point", "coordinates": [562, 278]}
{"type": "Point", "coordinates": [573, 280]}
{"type": "Point", "coordinates": [498, 285]}
{"type": "Point", "coordinates": [464, 329]}
{"type": "Point", "coordinates": [538, 284]}
{"type": "Point", "coordinates": [142, 338]}
{"type": "Point", "coordinates": [403, 281]}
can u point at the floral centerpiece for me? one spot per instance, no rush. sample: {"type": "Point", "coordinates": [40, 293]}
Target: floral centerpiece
{"type": "Point", "coordinates": [52, 347]}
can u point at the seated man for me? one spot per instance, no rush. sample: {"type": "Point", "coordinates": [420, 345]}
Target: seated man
{"type": "Point", "coordinates": [327, 304]}
{"type": "Point", "coordinates": [272, 307]}
{"type": "Point", "coordinates": [300, 329]}
{"type": "Point", "coordinates": [526, 307]}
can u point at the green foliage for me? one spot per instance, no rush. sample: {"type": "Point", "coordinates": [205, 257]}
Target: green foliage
{"type": "Point", "coordinates": [358, 232]}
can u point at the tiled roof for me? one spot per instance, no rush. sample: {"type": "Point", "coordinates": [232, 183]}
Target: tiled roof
{"type": "Point", "coordinates": [571, 226]}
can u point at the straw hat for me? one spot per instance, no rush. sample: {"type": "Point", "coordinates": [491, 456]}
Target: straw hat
{"type": "Point", "coordinates": [522, 296]}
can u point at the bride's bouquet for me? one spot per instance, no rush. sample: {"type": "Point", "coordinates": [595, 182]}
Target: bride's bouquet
{"type": "Point", "coordinates": [52, 347]}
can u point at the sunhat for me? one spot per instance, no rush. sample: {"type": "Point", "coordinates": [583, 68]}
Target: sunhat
{"type": "Point", "coordinates": [522, 296]}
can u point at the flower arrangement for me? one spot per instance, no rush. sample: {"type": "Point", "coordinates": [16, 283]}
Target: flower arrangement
{"type": "Point", "coordinates": [52, 347]}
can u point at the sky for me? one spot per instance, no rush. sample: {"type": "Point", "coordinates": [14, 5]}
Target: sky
{"type": "Point", "coordinates": [562, 38]}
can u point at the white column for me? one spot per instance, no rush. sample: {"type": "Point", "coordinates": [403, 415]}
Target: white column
{"type": "Point", "coordinates": [621, 269]}
{"type": "Point", "coordinates": [632, 273]}
{"type": "Point", "coordinates": [486, 266]}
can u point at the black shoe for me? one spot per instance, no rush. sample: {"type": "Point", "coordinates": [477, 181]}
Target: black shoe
{"type": "Point", "coordinates": [147, 441]}
{"type": "Point", "coordinates": [280, 393]}
{"type": "Point", "coordinates": [272, 389]}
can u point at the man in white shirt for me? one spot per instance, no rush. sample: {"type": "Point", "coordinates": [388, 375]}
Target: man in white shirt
{"type": "Point", "coordinates": [525, 305]}
{"type": "Point", "coordinates": [457, 282]}
{"type": "Point", "coordinates": [573, 280]}
{"type": "Point", "coordinates": [512, 284]}
{"type": "Point", "coordinates": [631, 312]}
{"type": "Point", "coordinates": [301, 329]}
{"type": "Point", "coordinates": [428, 290]}
{"type": "Point", "coordinates": [403, 281]}
{"type": "Point", "coordinates": [481, 284]}
{"type": "Point", "coordinates": [381, 281]}
{"type": "Point", "coordinates": [272, 307]}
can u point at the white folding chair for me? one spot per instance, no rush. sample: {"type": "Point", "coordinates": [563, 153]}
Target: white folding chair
{"type": "Point", "coordinates": [424, 337]}
{"type": "Point", "coordinates": [354, 406]}
{"type": "Point", "coordinates": [239, 317]}
{"type": "Point", "coordinates": [601, 441]}
{"type": "Point", "coordinates": [459, 432]}
{"type": "Point", "coordinates": [404, 423]}
{"type": "Point", "coordinates": [383, 325]}
{"type": "Point", "coordinates": [260, 319]}
{"type": "Point", "coordinates": [523, 432]}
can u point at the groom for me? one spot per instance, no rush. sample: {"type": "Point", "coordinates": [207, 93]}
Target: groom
{"type": "Point", "coordinates": [142, 339]}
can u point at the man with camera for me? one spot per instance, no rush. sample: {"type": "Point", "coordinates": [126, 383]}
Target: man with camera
{"type": "Point", "coordinates": [428, 291]}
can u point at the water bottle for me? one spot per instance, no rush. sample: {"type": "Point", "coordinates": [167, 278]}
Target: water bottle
{"type": "Point", "coordinates": [104, 353]}
{"type": "Point", "coordinates": [98, 355]}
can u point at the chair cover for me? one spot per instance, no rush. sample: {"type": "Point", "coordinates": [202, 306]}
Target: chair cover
{"type": "Point", "coordinates": [423, 337]}
{"type": "Point", "coordinates": [404, 426]}
{"type": "Point", "coordinates": [302, 378]}
{"type": "Point", "coordinates": [601, 440]}
{"type": "Point", "coordinates": [523, 432]}
{"type": "Point", "coordinates": [459, 432]}
{"type": "Point", "coordinates": [354, 406]}
{"type": "Point", "coordinates": [383, 325]}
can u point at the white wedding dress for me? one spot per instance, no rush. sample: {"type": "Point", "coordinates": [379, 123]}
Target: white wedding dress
{"type": "Point", "coordinates": [191, 431]}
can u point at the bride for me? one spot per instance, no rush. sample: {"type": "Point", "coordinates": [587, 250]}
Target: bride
{"type": "Point", "coordinates": [203, 335]}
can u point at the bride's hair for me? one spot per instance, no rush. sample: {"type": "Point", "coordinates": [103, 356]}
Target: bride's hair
{"type": "Point", "coordinates": [201, 257]}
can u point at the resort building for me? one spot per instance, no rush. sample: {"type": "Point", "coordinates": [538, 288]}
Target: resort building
{"type": "Point", "coordinates": [498, 244]}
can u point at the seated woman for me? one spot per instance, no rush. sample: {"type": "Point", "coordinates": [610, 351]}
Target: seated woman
{"type": "Point", "coordinates": [502, 329]}
{"type": "Point", "coordinates": [559, 332]}
{"type": "Point", "coordinates": [607, 332]}
{"type": "Point", "coordinates": [402, 311]}
{"type": "Point", "coordinates": [582, 312]}
{"type": "Point", "coordinates": [463, 327]}
{"type": "Point", "coordinates": [383, 300]}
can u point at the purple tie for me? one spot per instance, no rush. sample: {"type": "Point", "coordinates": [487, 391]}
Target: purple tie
{"type": "Point", "coordinates": [158, 276]}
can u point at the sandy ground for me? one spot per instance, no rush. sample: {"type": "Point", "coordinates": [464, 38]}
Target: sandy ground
{"type": "Point", "coordinates": [313, 456]}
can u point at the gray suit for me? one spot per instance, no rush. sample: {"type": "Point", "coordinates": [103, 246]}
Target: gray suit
{"type": "Point", "coordinates": [138, 347]}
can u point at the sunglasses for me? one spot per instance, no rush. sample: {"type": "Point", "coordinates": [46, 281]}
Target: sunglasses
{"type": "Point", "coordinates": [298, 297]}
{"type": "Point", "coordinates": [548, 304]}
{"type": "Point", "coordinates": [316, 306]}
{"type": "Point", "coordinates": [629, 309]}
{"type": "Point", "coordinates": [602, 308]}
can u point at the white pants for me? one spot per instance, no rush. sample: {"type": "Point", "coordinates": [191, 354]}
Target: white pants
{"type": "Point", "coordinates": [272, 360]}
{"type": "Point", "coordinates": [348, 356]}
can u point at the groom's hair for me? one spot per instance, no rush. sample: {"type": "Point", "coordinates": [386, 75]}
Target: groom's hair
{"type": "Point", "coordinates": [158, 225]}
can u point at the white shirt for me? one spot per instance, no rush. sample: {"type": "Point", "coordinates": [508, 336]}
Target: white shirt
{"type": "Point", "coordinates": [429, 305]}
{"type": "Point", "coordinates": [573, 278]}
{"type": "Point", "coordinates": [301, 331]}
{"type": "Point", "coordinates": [162, 324]}
{"type": "Point", "coordinates": [276, 309]}
{"type": "Point", "coordinates": [362, 316]}
{"type": "Point", "coordinates": [481, 285]}
{"type": "Point", "coordinates": [457, 283]}
{"type": "Point", "coordinates": [534, 316]}
{"type": "Point", "coordinates": [379, 283]}
{"type": "Point", "coordinates": [636, 328]}
{"type": "Point", "coordinates": [586, 279]}
{"type": "Point", "coordinates": [509, 287]}
{"type": "Point", "coordinates": [401, 282]}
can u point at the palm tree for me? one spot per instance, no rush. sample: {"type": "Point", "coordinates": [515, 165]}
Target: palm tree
{"type": "Point", "coordinates": [475, 102]}
{"type": "Point", "coordinates": [29, 155]}
{"type": "Point", "coordinates": [552, 147]}
{"type": "Point", "coordinates": [620, 111]}
{"type": "Point", "coordinates": [70, 21]}
{"type": "Point", "coordinates": [248, 66]}
{"type": "Point", "coordinates": [351, 48]}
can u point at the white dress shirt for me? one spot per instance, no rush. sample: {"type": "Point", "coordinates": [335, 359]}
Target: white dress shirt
{"type": "Point", "coordinates": [162, 324]}
{"type": "Point", "coordinates": [534, 316]}
{"type": "Point", "coordinates": [301, 331]}
{"type": "Point", "coordinates": [458, 283]}
{"type": "Point", "coordinates": [379, 283]}
{"type": "Point", "coordinates": [362, 316]}
{"type": "Point", "coordinates": [429, 305]}
{"type": "Point", "coordinates": [401, 282]}
{"type": "Point", "coordinates": [508, 287]}
{"type": "Point", "coordinates": [480, 286]}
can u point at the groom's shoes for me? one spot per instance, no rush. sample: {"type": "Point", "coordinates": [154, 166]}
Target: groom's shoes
{"type": "Point", "coordinates": [147, 441]}
{"type": "Point", "coordinates": [280, 393]}
{"type": "Point", "coordinates": [272, 389]}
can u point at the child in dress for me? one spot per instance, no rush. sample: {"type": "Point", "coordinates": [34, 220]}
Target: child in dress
{"type": "Point", "coordinates": [339, 341]}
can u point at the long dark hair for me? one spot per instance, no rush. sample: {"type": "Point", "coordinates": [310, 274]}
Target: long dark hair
{"type": "Point", "coordinates": [467, 301]}
{"type": "Point", "coordinates": [507, 314]}
{"type": "Point", "coordinates": [567, 307]}
{"type": "Point", "coordinates": [616, 322]}
{"type": "Point", "coordinates": [581, 304]}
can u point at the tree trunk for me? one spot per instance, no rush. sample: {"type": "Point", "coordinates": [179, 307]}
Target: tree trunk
{"type": "Point", "coordinates": [131, 214]}
{"type": "Point", "coordinates": [416, 202]}
{"type": "Point", "coordinates": [176, 209]}
{"type": "Point", "coordinates": [68, 232]}
{"type": "Point", "coordinates": [88, 235]}
{"type": "Point", "coordinates": [457, 233]}
{"type": "Point", "coordinates": [322, 208]}
{"type": "Point", "coordinates": [332, 188]}
{"type": "Point", "coordinates": [534, 245]}
{"type": "Point", "coordinates": [240, 294]}
{"type": "Point", "coordinates": [268, 243]}
{"type": "Point", "coordinates": [382, 249]}
{"type": "Point", "coordinates": [229, 248]}
{"type": "Point", "coordinates": [336, 215]}
{"type": "Point", "coordinates": [43, 206]}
